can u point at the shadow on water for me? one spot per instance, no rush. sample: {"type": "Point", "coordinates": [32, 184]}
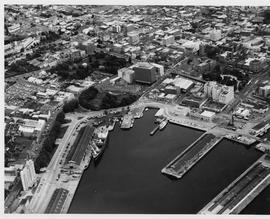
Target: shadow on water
{"type": "Point", "coordinates": [98, 159]}
{"type": "Point", "coordinates": [172, 178]}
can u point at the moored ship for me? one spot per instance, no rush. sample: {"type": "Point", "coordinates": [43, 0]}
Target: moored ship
{"type": "Point", "coordinates": [163, 124]}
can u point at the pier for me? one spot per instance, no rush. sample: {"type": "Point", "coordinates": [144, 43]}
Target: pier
{"type": "Point", "coordinates": [127, 122]}
{"type": "Point", "coordinates": [241, 139]}
{"type": "Point", "coordinates": [191, 124]}
{"type": "Point", "coordinates": [154, 130]}
{"type": "Point", "coordinates": [137, 112]}
{"type": "Point", "coordinates": [234, 198]}
{"type": "Point", "coordinates": [191, 155]}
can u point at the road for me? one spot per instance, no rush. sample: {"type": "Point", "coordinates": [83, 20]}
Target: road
{"type": "Point", "coordinates": [47, 183]}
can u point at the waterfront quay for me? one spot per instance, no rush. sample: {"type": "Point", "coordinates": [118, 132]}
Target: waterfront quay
{"type": "Point", "coordinates": [234, 198]}
{"type": "Point", "coordinates": [189, 157]}
{"type": "Point", "coordinates": [127, 122]}
{"type": "Point", "coordinates": [263, 146]}
{"type": "Point", "coordinates": [241, 139]}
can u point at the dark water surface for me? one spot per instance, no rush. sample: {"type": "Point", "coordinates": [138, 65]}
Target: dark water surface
{"type": "Point", "coordinates": [261, 204]}
{"type": "Point", "coordinates": [128, 177]}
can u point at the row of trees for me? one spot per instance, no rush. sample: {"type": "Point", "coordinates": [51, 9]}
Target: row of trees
{"type": "Point", "coordinates": [13, 38]}
{"type": "Point", "coordinates": [99, 61]}
{"type": "Point", "coordinates": [215, 75]}
{"type": "Point", "coordinates": [49, 36]}
{"type": "Point", "coordinates": [21, 67]}
{"type": "Point", "coordinates": [70, 106]}
{"type": "Point", "coordinates": [48, 146]}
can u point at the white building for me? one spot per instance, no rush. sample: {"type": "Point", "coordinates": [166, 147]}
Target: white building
{"type": "Point", "coordinates": [31, 126]}
{"type": "Point", "coordinates": [160, 68]}
{"type": "Point", "coordinates": [117, 28]}
{"type": "Point", "coordinates": [215, 35]}
{"type": "Point", "coordinates": [182, 83]}
{"type": "Point", "coordinates": [28, 175]}
{"type": "Point", "coordinates": [265, 90]}
{"type": "Point", "coordinates": [126, 74]}
{"type": "Point", "coordinates": [167, 40]}
{"type": "Point", "coordinates": [10, 175]}
{"type": "Point", "coordinates": [35, 80]}
{"type": "Point", "coordinates": [242, 112]}
{"type": "Point", "coordinates": [202, 115]}
{"type": "Point", "coordinates": [74, 89]}
{"type": "Point", "coordinates": [134, 37]}
{"type": "Point", "coordinates": [219, 93]}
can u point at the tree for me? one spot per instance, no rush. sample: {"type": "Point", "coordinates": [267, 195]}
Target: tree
{"type": "Point", "coordinates": [70, 106]}
{"type": "Point", "coordinates": [266, 15]}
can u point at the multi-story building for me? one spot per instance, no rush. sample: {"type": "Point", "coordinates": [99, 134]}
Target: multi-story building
{"type": "Point", "coordinates": [128, 28]}
{"type": "Point", "coordinates": [144, 72]}
{"type": "Point", "coordinates": [168, 40]}
{"type": "Point", "coordinates": [88, 46]}
{"type": "Point", "coordinates": [134, 37]}
{"type": "Point", "coordinates": [219, 93]}
{"type": "Point", "coordinates": [215, 35]}
{"type": "Point", "coordinates": [265, 90]}
{"type": "Point", "coordinates": [126, 74]}
{"type": "Point", "coordinates": [30, 127]}
{"type": "Point", "coordinates": [159, 68]}
{"type": "Point", "coordinates": [28, 175]}
{"type": "Point", "coordinates": [116, 28]}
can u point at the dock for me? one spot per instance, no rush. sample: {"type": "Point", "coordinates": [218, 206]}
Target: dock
{"type": "Point", "coordinates": [127, 122]}
{"type": "Point", "coordinates": [241, 139]}
{"type": "Point", "coordinates": [154, 130]}
{"type": "Point", "coordinates": [263, 146]}
{"type": "Point", "coordinates": [234, 198]}
{"type": "Point", "coordinates": [191, 155]}
{"type": "Point", "coordinates": [138, 112]}
{"type": "Point", "coordinates": [189, 124]}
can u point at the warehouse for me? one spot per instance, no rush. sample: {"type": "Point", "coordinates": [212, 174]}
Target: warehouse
{"type": "Point", "coordinates": [79, 147]}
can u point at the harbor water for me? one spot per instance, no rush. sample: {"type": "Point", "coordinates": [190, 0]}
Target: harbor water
{"type": "Point", "coordinates": [261, 204]}
{"type": "Point", "coordinates": [128, 177]}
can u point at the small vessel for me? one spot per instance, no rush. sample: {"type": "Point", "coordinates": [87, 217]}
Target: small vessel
{"type": "Point", "coordinates": [98, 149]}
{"type": "Point", "coordinates": [163, 124]}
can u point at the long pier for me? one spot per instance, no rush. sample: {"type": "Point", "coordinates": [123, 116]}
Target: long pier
{"type": "Point", "coordinates": [234, 198]}
{"type": "Point", "coordinates": [154, 130]}
{"type": "Point", "coordinates": [191, 155]}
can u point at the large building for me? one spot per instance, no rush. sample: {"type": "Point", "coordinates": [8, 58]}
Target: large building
{"type": "Point", "coordinates": [219, 93]}
{"type": "Point", "coordinates": [79, 147]}
{"type": "Point", "coordinates": [264, 91]}
{"type": "Point", "coordinates": [183, 84]}
{"type": "Point", "coordinates": [88, 46]}
{"type": "Point", "coordinates": [28, 175]}
{"type": "Point", "coordinates": [30, 127]}
{"type": "Point", "coordinates": [128, 28]}
{"type": "Point", "coordinates": [10, 175]}
{"type": "Point", "coordinates": [159, 68]}
{"type": "Point", "coordinates": [215, 35]}
{"type": "Point", "coordinates": [144, 72]}
{"type": "Point", "coordinates": [126, 74]}
{"type": "Point", "coordinates": [168, 40]}
{"type": "Point", "coordinates": [133, 37]}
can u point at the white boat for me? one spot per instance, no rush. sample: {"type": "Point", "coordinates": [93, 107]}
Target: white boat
{"type": "Point", "coordinates": [163, 124]}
